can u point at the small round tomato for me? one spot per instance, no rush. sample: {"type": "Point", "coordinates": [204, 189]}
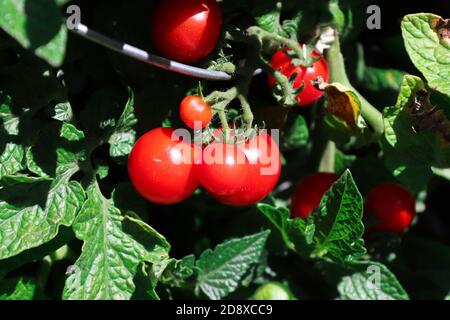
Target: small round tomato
{"type": "Point", "coordinates": [186, 30]}
{"type": "Point", "coordinates": [223, 168]}
{"type": "Point", "coordinates": [309, 94]}
{"type": "Point", "coordinates": [273, 291]}
{"type": "Point", "coordinates": [390, 207]}
{"type": "Point", "coordinates": [309, 192]}
{"type": "Point", "coordinates": [264, 171]}
{"type": "Point", "coordinates": [161, 167]}
{"type": "Point", "coordinates": [195, 111]}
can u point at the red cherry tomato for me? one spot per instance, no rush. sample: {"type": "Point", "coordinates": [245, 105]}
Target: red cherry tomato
{"type": "Point", "coordinates": [223, 168]}
{"type": "Point", "coordinates": [186, 30]}
{"type": "Point", "coordinates": [264, 171]}
{"type": "Point", "coordinates": [161, 167]}
{"type": "Point", "coordinates": [391, 207]}
{"type": "Point", "coordinates": [194, 110]}
{"type": "Point", "coordinates": [309, 192]}
{"type": "Point", "coordinates": [309, 94]}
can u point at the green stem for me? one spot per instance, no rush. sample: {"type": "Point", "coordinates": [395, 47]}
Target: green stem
{"type": "Point", "coordinates": [266, 36]}
{"type": "Point", "coordinates": [327, 161]}
{"type": "Point", "coordinates": [323, 151]}
{"type": "Point", "coordinates": [224, 123]}
{"type": "Point", "coordinates": [242, 86]}
{"type": "Point", "coordinates": [279, 77]}
{"type": "Point", "coordinates": [44, 271]}
{"type": "Point", "coordinates": [338, 74]}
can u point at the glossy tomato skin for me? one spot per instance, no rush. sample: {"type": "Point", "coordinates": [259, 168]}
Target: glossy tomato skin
{"type": "Point", "coordinates": [186, 30]}
{"type": "Point", "coordinates": [264, 159]}
{"type": "Point", "coordinates": [282, 62]}
{"type": "Point", "coordinates": [391, 207]}
{"type": "Point", "coordinates": [195, 111]}
{"type": "Point", "coordinates": [161, 169]}
{"type": "Point", "coordinates": [223, 168]}
{"type": "Point", "coordinates": [309, 192]}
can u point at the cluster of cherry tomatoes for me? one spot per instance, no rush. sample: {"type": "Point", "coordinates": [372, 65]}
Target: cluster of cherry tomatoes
{"type": "Point", "coordinates": [166, 168]}
{"type": "Point", "coordinates": [388, 207]}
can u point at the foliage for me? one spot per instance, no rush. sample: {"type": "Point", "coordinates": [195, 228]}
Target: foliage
{"type": "Point", "coordinates": [71, 111]}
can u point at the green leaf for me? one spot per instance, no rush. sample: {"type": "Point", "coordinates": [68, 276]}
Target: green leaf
{"type": "Point", "coordinates": [428, 50]}
{"type": "Point", "coordinates": [71, 133]}
{"type": "Point", "coordinates": [106, 119]}
{"type": "Point", "coordinates": [114, 246]}
{"type": "Point", "coordinates": [337, 14]}
{"type": "Point", "coordinates": [293, 231]}
{"type": "Point", "coordinates": [12, 152]}
{"type": "Point", "coordinates": [298, 134]}
{"type": "Point", "coordinates": [145, 281]}
{"type": "Point", "coordinates": [443, 173]}
{"type": "Point", "coordinates": [122, 140]}
{"type": "Point", "coordinates": [37, 26]}
{"type": "Point", "coordinates": [221, 270]}
{"type": "Point", "coordinates": [121, 143]}
{"type": "Point", "coordinates": [409, 154]}
{"type": "Point", "coordinates": [102, 169]}
{"type": "Point", "coordinates": [63, 112]}
{"type": "Point", "coordinates": [290, 27]}
{"type": "Point", "coordinates": [179, 271]}
{"type": "Point", "coordinates": [371, 280]}
{"type": "Point", "coordinates": [17, 289]}
{"type": "Point", "coordinates": [332, 232]}
{"type": "Point", "coordinates": [267, 15]}
{"type": "Point", "coordinates": [59, 148]}
{"type": "Point", "coordinates": [64, 236]}
{"type": "Point", "coordinates": [338, 223]}
{"type": "Point", "coordinates": [31, 211]}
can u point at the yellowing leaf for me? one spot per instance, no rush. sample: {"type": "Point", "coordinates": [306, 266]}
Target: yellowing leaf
{"type": "Point", "coordinates": [343, 104]}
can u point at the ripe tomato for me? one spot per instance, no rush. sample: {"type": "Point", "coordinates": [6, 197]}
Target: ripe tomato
{"type": "Point", "coordinates": [186, 30]}
{"type": "Point", "coordinates": [264, 171]}
{"type": "Point", "coordinates": [195, 109]}
{"type": "Point", "coordinates": [391, 207]}
{"type": "Point", "coordinates": [309, 192]}
{"type": "Point", "coordinates": [161, 169]}
{"type": "Point", "coordinates": [309, 94]}
{"type": "Point", "coordinates": [222, 169]}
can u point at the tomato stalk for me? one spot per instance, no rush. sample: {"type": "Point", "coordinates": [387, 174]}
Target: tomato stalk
{"type": "Point", "coordinates": [338, 74]}
{"type": "Point", "coordinates": [279, 77]}
{"type": "Point", "coordinates": [323, 150]}
{"type": "Point", "coordinates": [220, 100]}
{"type": "Point", "coordinates": [327, 161]}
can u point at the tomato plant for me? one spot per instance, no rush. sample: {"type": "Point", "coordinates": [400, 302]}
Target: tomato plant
{"type": "Point", "coordinates": [109, 189]}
